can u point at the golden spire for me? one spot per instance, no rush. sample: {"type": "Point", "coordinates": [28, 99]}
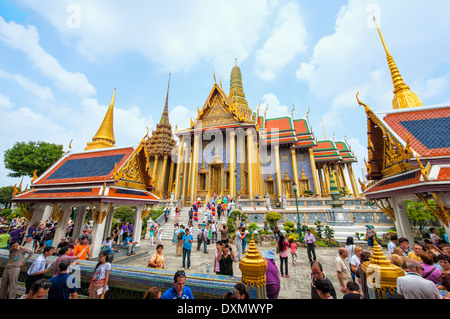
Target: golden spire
{"type": "Point", "coordinates": [403, 96]}
{"type": "Point", "coordinates": [105, 134]}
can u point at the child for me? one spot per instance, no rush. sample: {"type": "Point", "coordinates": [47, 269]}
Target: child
{"type": "Point", "coordinates": [293, 252]}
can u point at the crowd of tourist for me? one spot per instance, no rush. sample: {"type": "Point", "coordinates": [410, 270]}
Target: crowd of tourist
{"type": "Point", "coordinates": [426, 266]}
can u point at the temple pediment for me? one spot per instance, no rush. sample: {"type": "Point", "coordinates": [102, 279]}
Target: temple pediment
{"type": "Point", "coordinates": [219, 110]}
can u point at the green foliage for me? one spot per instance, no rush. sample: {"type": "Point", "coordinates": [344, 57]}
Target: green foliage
{"type": "Point", "coordinates": [319, 229]}
{"type": "Point", "coordinates": [124, 214]}
{"type": "Point", "coordinates": [419, 214]}
{"type": "Point", "coordinates": [272, 218]}
{"type": "Point", "coordinates": [237, 215]}
{"type": "Point", "coordinates": [308, 193]}
{"type": "Point", "coordinates": [24, 158]}
{"type": "Point", "coordinates": [6, 195]}
{"type": "Point", "coordinates": [329, 235]}
{"type": "Point", "coordinates": [6, 212]}
{"type": "Point", "coordinates": [252, 227]}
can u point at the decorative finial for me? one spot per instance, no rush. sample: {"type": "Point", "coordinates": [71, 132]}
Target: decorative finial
{"type": "Point", "coordinates": [403, 96]}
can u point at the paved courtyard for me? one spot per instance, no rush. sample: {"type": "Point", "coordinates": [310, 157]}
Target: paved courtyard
{"type": "Point", "coordinates": [297, 286]}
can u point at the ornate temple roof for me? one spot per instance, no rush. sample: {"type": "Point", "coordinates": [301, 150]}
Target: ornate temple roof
{"type": "Point", "coordinates": [107, 175]}
{"type": "Point", "coordinates": [345, 152]}
{"type": "Point", "coordinates": [326, 151]}
{"type": "Point", "coordinates": [162, 142]}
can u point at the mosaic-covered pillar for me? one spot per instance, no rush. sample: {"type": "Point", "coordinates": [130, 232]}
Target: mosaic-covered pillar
{"type": "Point", "coordinates": [253, 268]}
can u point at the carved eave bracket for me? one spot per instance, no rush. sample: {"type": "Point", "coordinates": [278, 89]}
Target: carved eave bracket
{"type": "Point", "coordinates": [389, 152]}
{"type": "Point", "coordinates": [100, 214]}
{"type": "Point", "coordinates": [441, 211]}
{"type": "Point", "coordinates": [385, 206]}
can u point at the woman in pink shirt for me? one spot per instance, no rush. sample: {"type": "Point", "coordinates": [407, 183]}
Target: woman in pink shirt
{"type": "Point", "coordinates": [282, 248]}
{"type": "Point", "coordinates": [293, 252]}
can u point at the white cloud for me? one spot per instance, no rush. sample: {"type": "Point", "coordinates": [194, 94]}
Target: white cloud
{"type": "Point", "coordinates": [179, 116]}
{"type": "Point", "coordinates": [287, 40]}
{"type": "Point", "coordinates": [26, 39]}
{"type": "Point", "coordinates": [275, 108]}
{"type": "Point", "coordinates": [176, 34]}
{"type": "Point", "coordinates": [44, 93]}
{"type": "Point", "coordinates": [353, 56]}
{"type": "Point", "coordinates": [5, 102]}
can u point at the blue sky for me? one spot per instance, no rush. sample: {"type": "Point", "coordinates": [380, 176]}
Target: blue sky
{"type": "Point", "coordinates": [61, 60]}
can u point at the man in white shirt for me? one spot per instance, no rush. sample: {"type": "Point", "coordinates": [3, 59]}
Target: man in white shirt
{"type": "Point", "coordinates": [343, 269]}
{"type": "Point", "coordinates": [413, 286]}
{"type": "Point", "coordinates": [38, 268]}
{"type": "Point", "coordinates": [392, 244]}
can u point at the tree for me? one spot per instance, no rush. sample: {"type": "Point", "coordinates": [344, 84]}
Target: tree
{"type": "Point", "coordinates": [6, 196]}
{"type": "Point", "coordinates": [25, 158]}
{"type": "Point", "coordinates": [124, 213]}
{"type": "Point", "coordinates": [419, 214]}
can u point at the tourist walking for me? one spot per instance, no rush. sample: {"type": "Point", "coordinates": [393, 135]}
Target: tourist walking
{"type": "Point", "coordinates": [293, 247]}
{"type": "Point", "coordinates": [361, 274]}
{"type": "Point", "coordinates": [317, 274]}
{"type": "Point", "coordinates": [404, 246]}
{"type": "Point", "coordinates": [199, 237]}
{"type": "Point", "coordinates": [179, 237]}
{"type": "Point", "coordinates": [159, 232]}
{"type": "Point", "coordinates": [66, 253]}
{"type": "Point", "coordinates": [355, 260]}
{"type": "Point", "coordinates": [343, 269]}
{"type": "Point", "coordinates": [283, 252]}
{"type": "Point", "coordinates": [176, 227]}
{"type": "Point", "coordinates": [10, 277]}
{"type": "Point", "coordinates": [39, 267]}
{"type": "Point", "coordinates": [239, 236]}
{"type": "Point", "coordinates": [179, 289]}
{"type": "Point", "coordinates": [157, 259]}
{"type": "Point", "coordinates": [187, 241]}
{"type": "Point", "coordinates": [370, 234]}
{"type": "Point", "coordinates": [273, 285]}
{"type": "Point", "coordinates": [310, 245]}
{"type": "Point", "coordinates": [205, 239]}
{"type": "Point", "coordinates": [223, 233]}
{"type": "Point", "coordinates": [38, 290]}
{"type": "Point", "coordinates": [413, 286]}
{"type": "Point", "coordinates": [82, 247]}
{"type": "Point", "coordinates": [99, 282]}
{"type": "Point", "coordinates": [152, 235]}
{"type": "Point", "coordinates": [62, 285]}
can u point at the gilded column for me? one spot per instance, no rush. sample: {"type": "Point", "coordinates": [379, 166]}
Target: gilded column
{"type": "Point", "coordinates": [326, 174]}
{"type": "Point", "coordinates": [162, 178]}
{"type": "Point", "coordinates": [314, 171]}
{"type": "Point", "coordinates": [294, 167]}
{"type": "Point", "coordinates": [179, 168]}
{"type": "Point", "coordinates": [232, 163]}
{"type": "Point", "coordinates": [154, 170]}
{"type": "Point", "coordinates": [352, 180]}
{"type": "Point", "coordinates": [250, 162]}
{"type": "Point", "coordinates": [277, 165]}
{"type": "Point", "coordinates": [194, 167]}
{"type": "Point", "coordinates": [170, 181]}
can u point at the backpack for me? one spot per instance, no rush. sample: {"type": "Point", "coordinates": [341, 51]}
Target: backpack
{"type": "Point", "coordinates": [180, 236]}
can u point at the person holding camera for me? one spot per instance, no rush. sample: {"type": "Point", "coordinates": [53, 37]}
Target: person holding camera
{"type": "Point", "coordinates": [225, 257]}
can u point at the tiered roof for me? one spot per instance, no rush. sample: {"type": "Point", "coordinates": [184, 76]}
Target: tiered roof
{"type": "Point", "coordinates": [106, 175]}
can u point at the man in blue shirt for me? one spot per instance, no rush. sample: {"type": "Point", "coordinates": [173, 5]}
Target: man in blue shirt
{"type": "Point", "coordinates": [187, 245]}
{"type": "Point", "coordinates": [62, 284]}
{"type": "Point", "coordinates": [179, 290]}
